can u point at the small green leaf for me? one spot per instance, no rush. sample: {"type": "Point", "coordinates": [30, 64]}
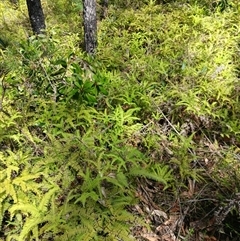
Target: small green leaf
{"type": "Point", "coordinates": [83, 198]}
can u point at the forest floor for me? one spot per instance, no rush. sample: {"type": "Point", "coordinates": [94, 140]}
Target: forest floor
{"type": "Point", "coordinates": [139, 142]}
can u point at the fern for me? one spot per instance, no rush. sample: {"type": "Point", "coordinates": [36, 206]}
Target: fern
{"type": "Point", "coordinates": [157, 173]}
{"type": "Point", "coordinates": [43, 205]}
{"type": "Point", "coordinates": [83, 198]}
{"type": "Point", "coordinates": [31, 225]}
{"type": "Point", "coordinates": [4, 206]}
{"type": "Point", "coordinates": [8, 189]}
{"type": "Point", "coordinates": [37, 214]}
{"type": "Point", "coordinates": [27, 182]}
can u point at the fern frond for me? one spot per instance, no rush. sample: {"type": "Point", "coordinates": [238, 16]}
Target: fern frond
{"type": "Point", "coordinates": [35, 233]}
{"type": "Point", "coordinates": [25, 208]}
{"type": "Point", "coordinates": [83, 198]}
{"type": "Point", "coordinates": [24, 181]}
{"type": "Point", "coordinates": [78, 233]}
{"type": "Point", "coordinates": [162, 175]}
{"type": "Point", "coordinates": [3, 175]}
{"type": "Point", "coordinates": [11, 237]}
{"type": "Point", "coordinates": [17, 158]}
{"type": "Point", "coordinates": [8, 189]}
{"type": "Point", "coordinates": [31, 224]}
{"type": "Point", "coordinates": [37, 214]}
{"type": "Point", "coordinates": [46, 199]}
{"type": "Point", "coordinates": [4, 205]}
{"type": "Point", "coordinates": [88, 223]}
{"type": "Point", "coordinates": [29, 136]}
{"type": "Point", "coordinates": [10, 169]}
{"type": "Point", "coordinates": [52, 223]}
{"type": "Point", "coordinates": [119, 203]}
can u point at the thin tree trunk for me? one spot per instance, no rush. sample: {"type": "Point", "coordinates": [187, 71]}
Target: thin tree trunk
{"type": "Point", "coordinates": [36, 16]}
{"type": "Point", "coordinates": [90, 26]}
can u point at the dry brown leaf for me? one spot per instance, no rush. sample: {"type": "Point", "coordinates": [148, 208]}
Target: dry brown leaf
{"type": "Point", "coordinates": [166, 233]}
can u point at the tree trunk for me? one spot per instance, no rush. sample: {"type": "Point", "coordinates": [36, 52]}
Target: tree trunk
{"type": "Point", "coordinates": [90, 26]}
{"type": "Point", "coordinates": [36, 16]}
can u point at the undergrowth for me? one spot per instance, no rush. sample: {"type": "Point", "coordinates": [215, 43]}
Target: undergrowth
{"type": "Point", "coordinates": [158, 103]}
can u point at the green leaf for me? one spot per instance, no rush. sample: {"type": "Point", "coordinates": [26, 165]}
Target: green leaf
{"type": "Point", "coordinates": [83, 198]}
{"type": "Point", "coordinates": [61, 62]}
{"type": "Point", "coordinates": [58, 72]}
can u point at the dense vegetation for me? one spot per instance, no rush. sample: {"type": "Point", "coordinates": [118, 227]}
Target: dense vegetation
{"type": "Point", "coordinates": [140, 142]}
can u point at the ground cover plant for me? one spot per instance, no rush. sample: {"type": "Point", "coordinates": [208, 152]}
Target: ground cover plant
{"type": "Point", "coordinates": [139, 142]}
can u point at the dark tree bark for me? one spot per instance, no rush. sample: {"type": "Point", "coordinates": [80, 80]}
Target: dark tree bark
{"type": "Point", "coordinates": [90, 26]}
{"type": "Point", "coordinates": [36, 16]}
